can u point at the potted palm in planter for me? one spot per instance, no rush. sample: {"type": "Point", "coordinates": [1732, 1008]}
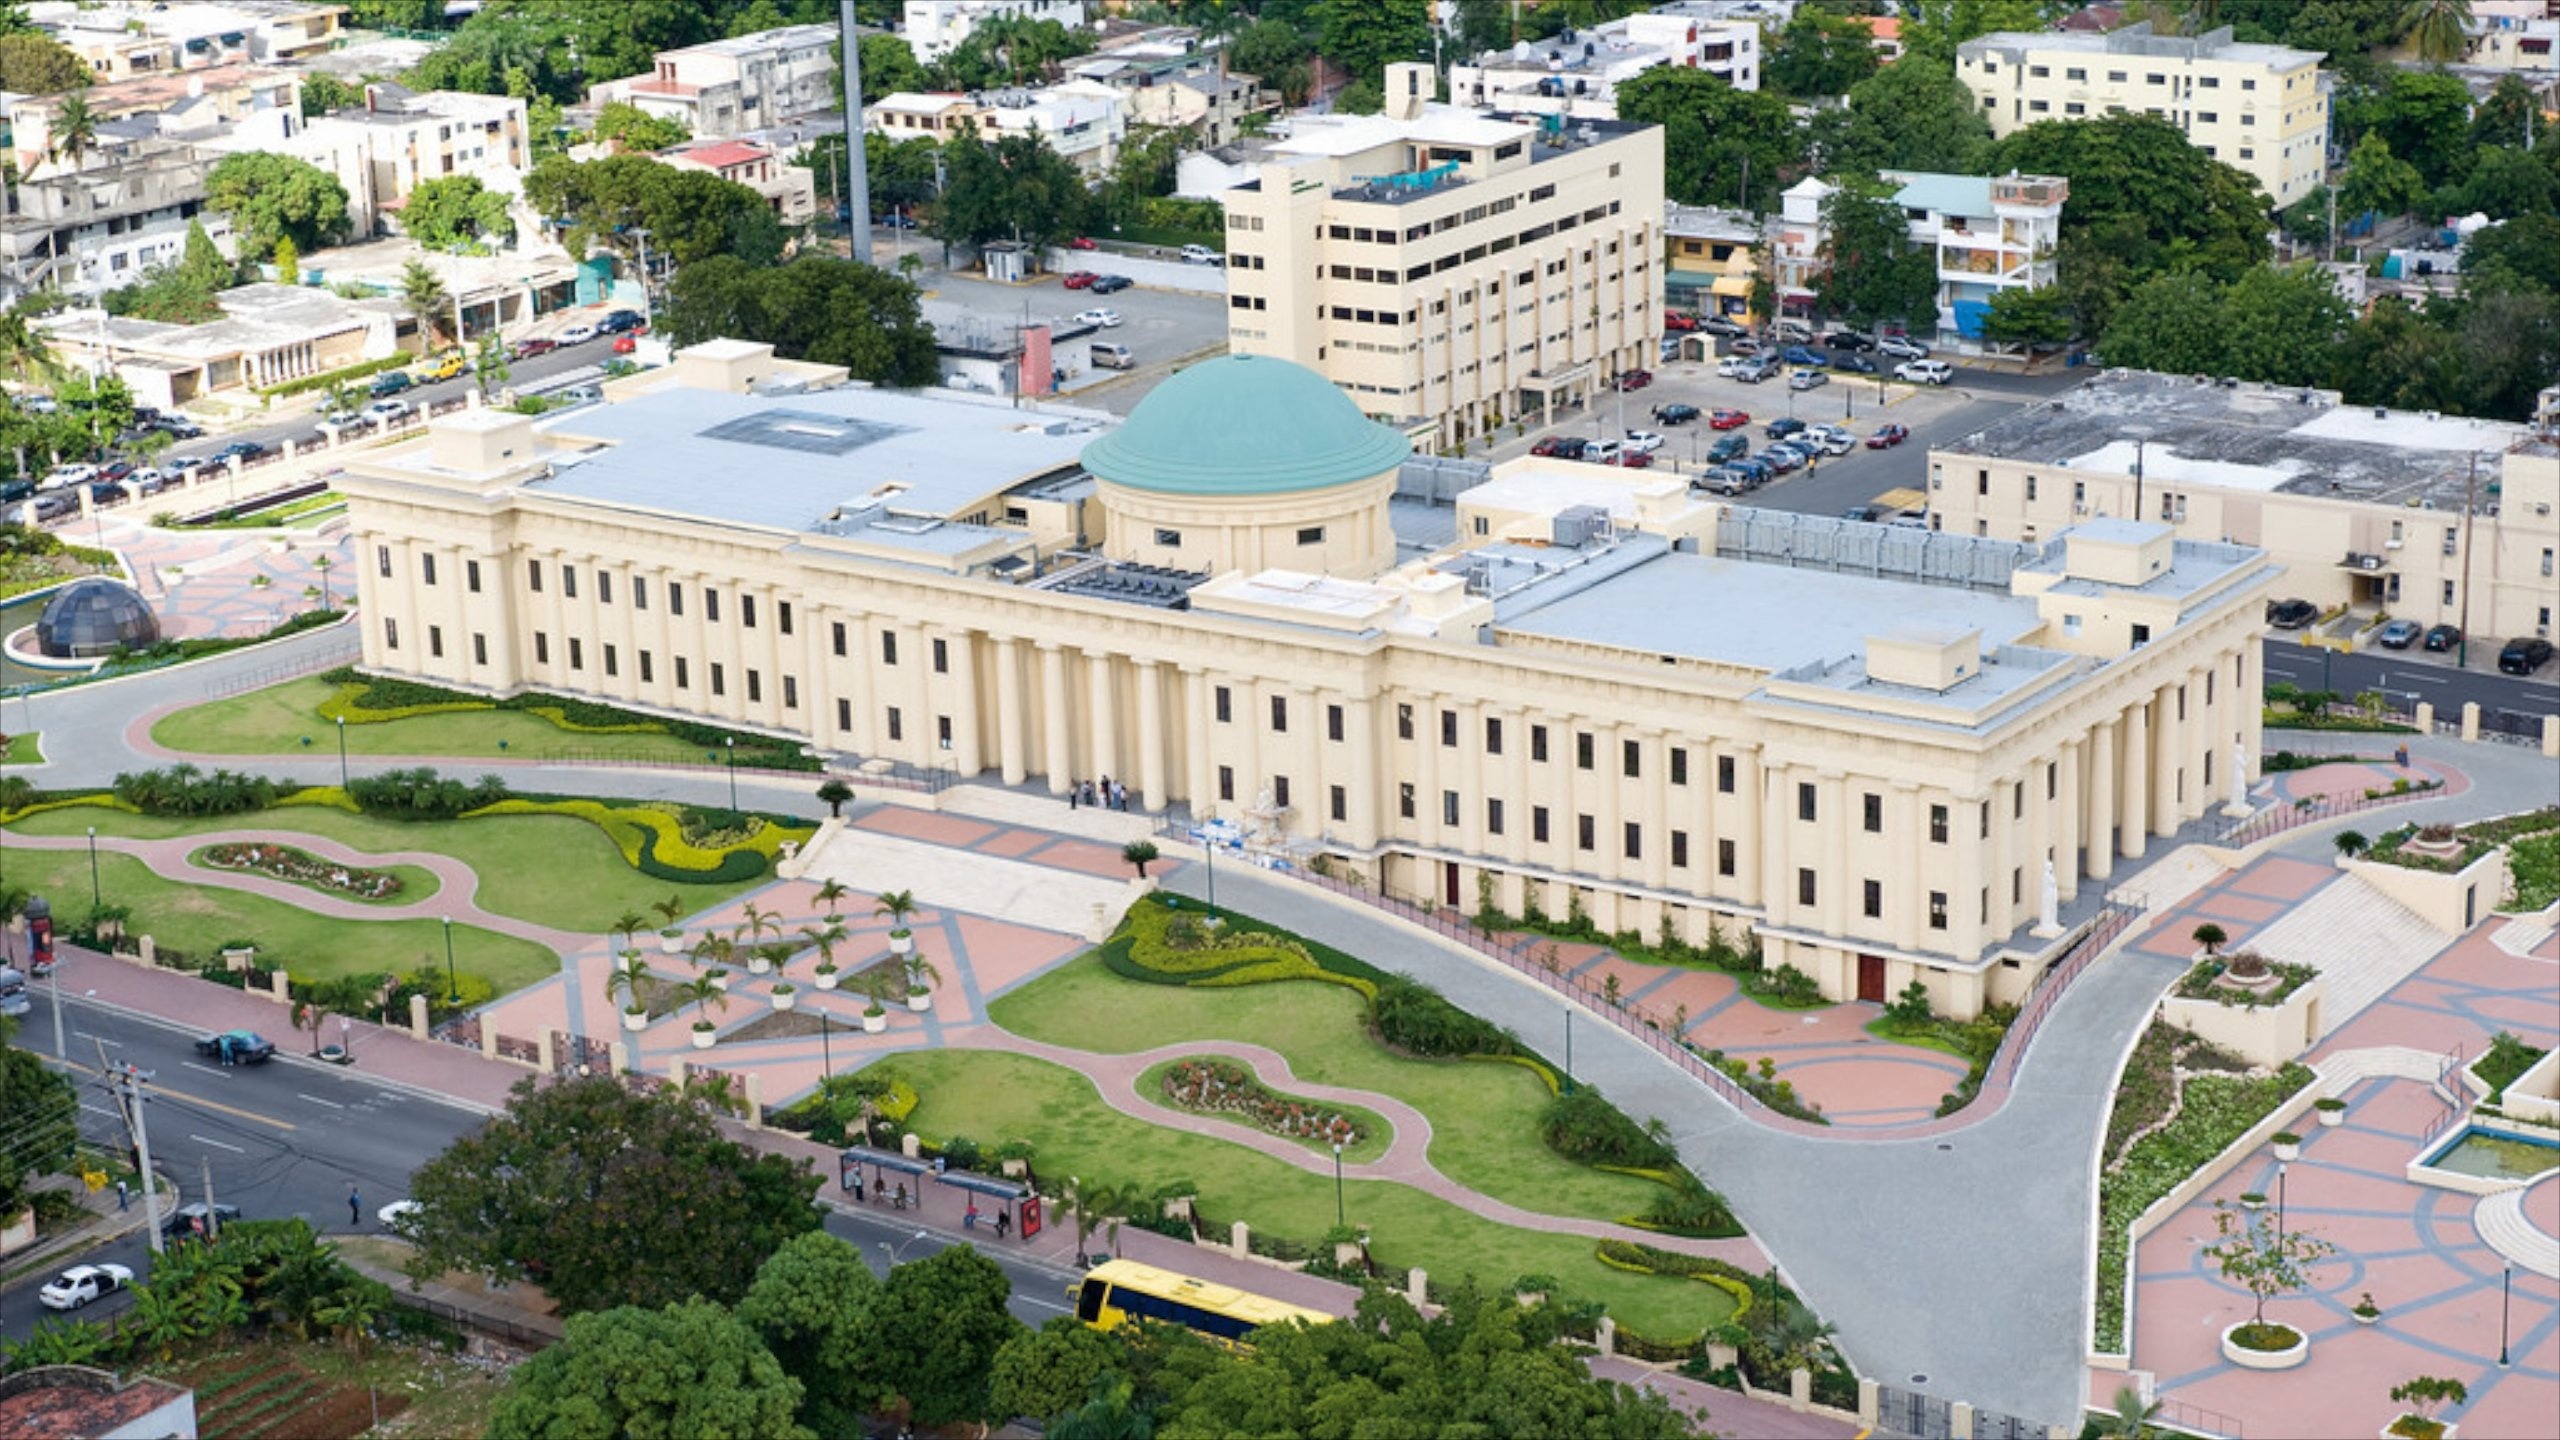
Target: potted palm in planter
{"type": "Point", "coordinates": [2366, 1312]}
{"type": "Point", "coordinates": [2288, 1145]}
{"type": "Point", "coordinates": [785, 995]}
{"type": "Point", "coordinates": [921, 977]}
{"type": "Point", "coordinates": [702, 992]}
{"type": "Point", "coordinates": [875, 1016]}
{"type": "Point", "coordinates": [2331, 1110]}
{"type": "Point", "coordinates": [898, 905]}
{"type": "Point", "coordinates": [831, 895]}
{"type": "Point", "coordinates": [825, 940]}
{"type": "Point", "coordinates": [626, 978]}
{"type": "Point", "coordinates": [2252, 1200]}
{"type": "Point", "coordinates": [671, 937]}
{"type": "Point", "coordinates": [713, 953]}
{"type": "Point", "coordinates": [757, 924]}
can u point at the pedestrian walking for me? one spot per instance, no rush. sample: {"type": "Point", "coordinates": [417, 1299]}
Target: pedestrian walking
{"type": "Point", "coordinates": [969, 1221]}
{"type": "Point", "coordinates": [1122, 795]}
{"type": "Point", "coordinates": [124, 1194]}
{"type": "Point", "coordinates": [355, 1206]}
{"type": "Point", "coordinates": [1004, 1223]}
{"type": "Point", "coordinates": [1075, 793]}
{"type": "Point", "coordinates": [857, 1184]}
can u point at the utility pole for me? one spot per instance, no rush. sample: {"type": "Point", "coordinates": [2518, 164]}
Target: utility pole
{"type": "Point", "coordinates": [857, 168]}
{"type": "Point", "coordinates": [212, 1218]}
{"type": "Point", "coordinates": [2470, 517]}
{"type": "Point", "coordinates": [2137, 480]}
{"type": "Point", "coordinates": [126, 1085]}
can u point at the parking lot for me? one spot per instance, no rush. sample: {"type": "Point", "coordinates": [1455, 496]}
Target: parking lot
{"type": "Point", "coordinates": [1158, 326]}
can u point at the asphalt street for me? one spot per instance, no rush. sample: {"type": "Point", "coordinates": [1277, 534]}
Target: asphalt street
{"type": "Point", "coordinates": [2410, 676]}
{"type": "Point", "coordinates": [540, 372]}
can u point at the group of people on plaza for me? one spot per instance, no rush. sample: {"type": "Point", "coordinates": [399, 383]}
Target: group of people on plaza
{"type": "Point", "coordinates": [1105, 794]}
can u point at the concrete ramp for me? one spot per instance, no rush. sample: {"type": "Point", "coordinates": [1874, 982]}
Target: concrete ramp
{"type": "Point", "coordinates": [944, 878]}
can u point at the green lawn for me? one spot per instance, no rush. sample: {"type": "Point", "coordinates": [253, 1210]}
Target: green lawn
{"type": "Point", "coordinates": [549, 869]}
{"type": "Point", "coordinates": [992, 1097]}
{"type": "Point", "coordinates": [276, 721]}
{"type": "Point", "coordinates": [1376, 1132]}
{"type": "Point", "coordinates": [199, 918]}
{"type": "Point", "coordinates": [416, 881]}
{"type": "Point", "coordinates": [24, 749]}
{"type": "Point", "coordinates": [1483, 1117]}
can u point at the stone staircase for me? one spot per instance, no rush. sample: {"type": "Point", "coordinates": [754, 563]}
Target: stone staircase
{"type": "Point", "coordinates": [2523, 936]}
{"type": "Point", "coordinates": [2500, 1220]}
{"type": "Point", "coordinates": [2363, 941]}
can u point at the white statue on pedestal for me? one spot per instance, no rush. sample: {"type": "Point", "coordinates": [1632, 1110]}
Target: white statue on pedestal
{"type": "Point", "coordinates": [2049, 901]}
{"type": "Point", "coordinates": [2236, 801]}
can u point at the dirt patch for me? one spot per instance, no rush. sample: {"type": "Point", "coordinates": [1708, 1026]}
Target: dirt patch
{"type": "Point", "coordinates": [787, 1025]}
{"type": "Point", "coordinates": [263, 1392]}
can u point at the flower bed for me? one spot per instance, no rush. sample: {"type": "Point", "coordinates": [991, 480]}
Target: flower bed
{"type": "Point", "coordinates": [2476, 840]}
{"type": "Point", "coordinates": [1222, 1087]}
{"type": "Point", "coordinates": [2207, 981]}
{"type": "Point", "coordinates": [301, 867]}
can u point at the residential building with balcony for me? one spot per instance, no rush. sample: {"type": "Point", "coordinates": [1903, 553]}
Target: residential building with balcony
{"type": "Point", "coordinates": [1577, 73]}
{"type": "Point", "coordinates": [1710, 259]}
{"type": "Point", "coordinates": [269, 334]}
{"type": "Point", "coordinates": [790, 189]}
{"type": "Point", "coordinates": [123, 212]}
{"type": "Point", "coordinates": [1082, 120]}
{"type": "Point", "coordinates": [906, 115]}
{"type": "Point", "coordinates": [400, 138]}
{"type": "Point", "coordinates": [725, 88]}
{"type": "Point", "coordinates": [2527, 43]}
{"type": "Point", "coordinates": [1450, 271]}
{"type": "Point", "coordinates": [1213, 599]}
{"type": "Point", "coordinates": [935, 28]}
{"type": "Point", "coordinates": [2262, 109]}
{"type": "Point", "coordinates": [1986, 233]}
{"type": "Point", "coordinates": [173, 103]}
{"type": "Point", "coordinates": [2435, 518]}
{"type": "Point", "coordinates": [127, 39]}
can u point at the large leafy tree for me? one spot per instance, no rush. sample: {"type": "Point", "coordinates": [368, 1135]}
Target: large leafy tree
{"type": "Point", "coordinates": [631, 128]}
{"type": "Point", "coordinates": [2509, 339]}
{"type": "Point", "coordinates": [688, 1370]}
{"type": "Point", "coordinates": [2378, 181]}
{"type": "Point", "coordinates": [2424, 115]}
{"type": "Point", "coordinates": [1905, 117]}
{"type": "Point", "coordinates": [1872, 272]}
{"type": "Point", "coordinates": [2026, 317]}
{"type": "Point", "coordinates": [2283, 325]}
{"type": "Point", "coordinates": [940, 1322]}
{"type": "Point", "coordinates": [888, 66]}
{"type": "Point", "coordinates": [1819, 53]}
{"type": "Point", "coordinates": [2434, 28]}
{"type": "Point", "coordinates": [1932, 29]}
{"type": "Point", "coordinates": [814, 1303]}
{"type": "Point", "coordinates": [1015, 188]}
{"type": "Point", "coordinates": [1366, 36]}
{"type": "Point", "coordinates": [323, 92]}
{"type": "Point", "coordinates": [1715, 138]}
{"type": "Point", "coordinates": [456, 209]}
{"type": "Point", "coordinates": [2524, 251]}
{"type": "Point", "coordinates": [1009, 50]}
{"type": "Point", "coordinates": [34, 63]}
{"type": "Point", "coordinates": [610, 1196]}
{"type": "Point", "coordinates": [690, 214]}
{"type": "Point", "coordinates": [43, 1110]}
{"type": "Point", "coordinates": [272, 197]}
{"type": "Point", "coordinates": [2169, 323]}
{"type": "Point", "coordinates": [2508, 117]}
{"type": "Point", "coordinates": [1276, 52]}
{"type": "Point", "coordinates": [1047, 1372]}
{"type": "Point", "coordinates": [2400, 358]}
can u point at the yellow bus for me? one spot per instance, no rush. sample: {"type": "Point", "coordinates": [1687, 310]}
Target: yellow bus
{"type": "Point", "coordinates": [1119, 1291]}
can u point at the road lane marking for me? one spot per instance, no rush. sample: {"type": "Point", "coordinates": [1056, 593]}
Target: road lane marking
{"type": "Point", "coordinates": [316, 1100]}
{"type": "Point", "coordinates": [98, 1110]}
{"type": "Point", "coordinates": [1043, 1303]}
{"type": "Point", "coordinates": [101, 1039]}
{"type": "Point", "coordinates": [164, 1093]}
{"type": "Point", "coordinates": [217, 1144]}
{"type": "Point", "coordinates": [206, 1069]}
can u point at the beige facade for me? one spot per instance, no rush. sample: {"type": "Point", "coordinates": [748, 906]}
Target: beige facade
{"type": "Point", "coordinates": [2263, 109]}
{"type": "Point", "coordinates": [728, 87]}
{"type": "Point", "coordinates": [401, 138]}
{"type": "Point", "coordinates": [1450, 267]}
{"type": "Point", "coordinates": [2430, 518]}
{"type": "Point", "coordinates": [1872, 775]}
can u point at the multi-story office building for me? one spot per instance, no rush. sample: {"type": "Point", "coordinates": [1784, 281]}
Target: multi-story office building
{"type": "Point", "coordinates": [1577, 73]}
{"type": "Point", "coordinates": [123, 212]}
{"type": "Point", "coordinates": [1986, 234]}
{"type": "Point", "coordinates": [1450, 271]}
{"type": "Point", "coordinates": [725, 88]}
{"type": "Point", "coordinates": [1866, 744]}
{"type": "Point", "coordinates": [935, 28]}
{"type": "Point", "coordinates": [2433, 518]}
{"type": "Point", "coordinates": [2263, 109]}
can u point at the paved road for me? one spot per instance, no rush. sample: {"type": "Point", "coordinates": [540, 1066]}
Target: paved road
{"type": "Point", "coordinates": [2410, 676]}
{"type": "Point", "coordinates": [521, 374]}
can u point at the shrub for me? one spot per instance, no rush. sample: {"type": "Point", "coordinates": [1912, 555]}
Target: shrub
{"type": "Point", "coordinates": [1416, 1019]}
{"type": "Point", "coordinates": [1582, 1126]}
{"type": "Point", "coordinates": [1690, 1209]}
{"type": "Point", "coordinates": [1785, 986]}
{"type": "Point", "coordinates": [183, 790]}
{"type": "Point", "coordinates": [421, 794]}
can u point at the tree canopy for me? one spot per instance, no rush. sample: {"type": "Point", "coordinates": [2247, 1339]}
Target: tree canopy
{"type": "Point", "coordinates": [939, 1325]}
{"type": "Point", "coordinates": [1016, 187]}
{"type": "Point", "coordinates": [1872, 272]}
{"type": "Point", "coordinates": [34, 63]}
{"type": "Point", "coordinates": [816, 307]}
{"type": "Point", "coordinates": [1714, 136]}
{"type": "Point", "coordinates": [1366, 36]}
{"type": "Point", "coordinates": [323, 92]}
{"type": "Point", "coordinates": [1905, 117]}
{"type": "Point", "coordinates": [814, 1303]}
{"type": "Point", "coordinates": [632, 129]}
{"type": "Point", "coordinates": [609, 1196]}
{"type": "Point", "coordinates": [456, 209]}
{"type": "Point", "coordinates": [272, 197]}
{"type": "Point", "coordinates": [690, 215]}
{"type": "Point", "coordinates": [690, 1371]}
{"type": "Point", "coordinates": [1820, 53]}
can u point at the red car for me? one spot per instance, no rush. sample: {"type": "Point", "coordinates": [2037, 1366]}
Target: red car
{"type": "Point", "coordinates": [1887, 436]}
{"type": "Point", "coordinates": [626, 344]}
{"type": "Point", "coordinates": [1082, 242]}
{"type": "Point", "coordinates": [1548, 446]}
{"type": "Point", "coordinates": [527, 349]}
{"type": "Point", "coordinates": [1673, 320]}
{"type": "Point", "coordinates": [1080, 279]}
{"type": "Point", "coordinates": [1634, 460]}
{"type": "Point", "coordinates": [1635, 379]}
{"type": "Point", "coordinates": [1728, 419]}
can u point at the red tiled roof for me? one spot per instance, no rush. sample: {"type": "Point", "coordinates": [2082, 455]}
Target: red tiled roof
{"type": "Point", "coordinates": [725, 155]}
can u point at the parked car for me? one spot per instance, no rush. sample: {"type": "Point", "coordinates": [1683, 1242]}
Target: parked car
{"type": "Point", "coordinates": [1793, 330]}
{"type": "Point", "coordinates": [1853, 364]}
{"type": "Point", "coordinates": [14, 491]}
{"type": "Point", "coordinates": [626, 344]}
{"type": "Point", "coordinates": [151, 480]}
{"type": "Point", "coordinates": [1863, 514]}
{"type": "Point", "coordinates": [64, 477]}
{"type": "Point", "coordinates": [1559, 447]}
{"type": "Point", "coordinates": [54, 504]}
{"type": "Point", "coordinates": [2399, 635]}
{"type": "Point", "coordinates": [1728, 447]}
{"type": "Point", "coordinates": [577, 335]}
{"type": "Point", "coordinates": [1633, 460]}
{"type": "Point", "coordinates": [581, 395]}
{"type": "Point", "coordinates": [1924, 372]}
{"type": "Point", "coordinates": [1743, 345]}
{"type": "Point", "coordinates": [1756, 369]}
{"type": "Point", "coordinates": [2291, 614]}
{"type": "Point", "coordinates": [178, 427]}
{"type": "Point", "coordinates": [528, 349]}
{"type": "Point", "coordinates": [1674, 321]}
{"type": "Point", "coordinates": [1201, 255]}
{"type": "Point", "coordinates": [1728, 419]}
{"type": "Point", "coordinates": [1731, 365]}
{"type": "Point", "coordinates": [621, 321]}
{"type": "Point", "coordinates": [245, 450]}
{"type": "Point", "coordinates": [1848, 340]}
{"type": "Point", "coordinates": [1079, 279]}
{"type": "Point", "coordinates": [1674, 414]}
{"type": "Point", "coordinates": [1112, 284]}
{"type": "Point", "coordinates": [192, 1221]}
{"type": "Point", "coordinates": [1082, 242]}
{"type": "Point", "coordinates": [1833, 439]}
{"type": "Point", "coordinates": [391, 382]}
{"type": "Point", "coordinates": [241, 1047]}
{"type": "Point", "coordinates": [1808, 379]}
{"type": "Point", "coordinates": [39, 404]}
{"type": "Point", "coordinates": [1600, 452]}
{"type": "Point", "coordinates": [1106, 356]}
{"type": "Point", "coordinates": [1719, 325]}
{"type": "Point", "coordinates": [400, 1216]}
{"type": "Point", "coordinates": [1099, 317]}
{"type": "Point", "coordinates": [1888, 436]}
{"type": "Point", "coordinates": [81, 1284]}
{"type": "Point", "coordinates": [1902, 347]}
{"type": "Point", "coordinates": [1726, 480]}
{"type": "Point", "coordinates": [387, 413]}
{"type": "Point", "coordinates": [1803, 355]}
{"type": "Point", "coordinates": [2444, 637]}
{"type": "Point", "coordinates": [1782, 427]}
{"type": "Point", "coordinates": [2523, 657]}
{"type": "Point", "coordinates": [446, 366]}
{"type": "Point", "coordinates": [103, 493]}
{"type": "Point", "coordinates": [115, 470]}
{"type": "Point", "coordinates": [1781, 460]}
{"type": "Point", "coordinates": [1634, 379]}
{"type": "Point", "coordinates": [1643, 442]}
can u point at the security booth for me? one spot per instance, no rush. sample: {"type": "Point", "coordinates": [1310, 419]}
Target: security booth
{"type": "Point", "coordinates": [883, 1164]}
{"type": "Point", "coordinates": [1011, 1196]}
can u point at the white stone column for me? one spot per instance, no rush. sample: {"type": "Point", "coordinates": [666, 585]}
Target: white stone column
{"type": "Point", "coordinates": [1964, 921]}
{"type": "Point", "coordinates": [1426, 770]}
{"type": "Point", "coordinates": [1009, 747]}
{"type": "Point", "coordinates": [1777, 877]}
{"type": "Point", "coordinates": [2065, 829]}
{"type": "Point", "coordinates": [1517, 801]}
{"type": "Point", "coordinates": [2137, 781]}
{"type": "Point", "coordinates": [1657, 811]}
{"type": "Point", "coordinates": [2102, 801]}
{"type": "Point", "coordinates": [2168, 747]}
{"type": "Point", "coordinates": [2004, 858]}
{"type": "Point", "coordinates": [1104, 699]}
{"type": "Point", "coordinates": [1150, 682]}
{"type": "Point", "coordinates": [1360, 736]}
{"type": "Point", "coordinates": [1608, 792]}
{"type": "Point", "coordinates": [1833, 798]}
{"type": "Point", "coordinates": [1057, 744]}
{"type": "Point", "coordinates": [1470, 780]}
{"type": "Point", "coordinates": [1904, 897]}
{"type": "Point", "coordinates": [968, 750]}
{"type": "Point", "coordinates": [1197, 731]}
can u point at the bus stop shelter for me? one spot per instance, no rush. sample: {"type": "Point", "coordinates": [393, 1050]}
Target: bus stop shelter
{"type": "Point", "coordinates": [1011, 1197]}
{"type": "Point", "coordinates": [883, 1163]}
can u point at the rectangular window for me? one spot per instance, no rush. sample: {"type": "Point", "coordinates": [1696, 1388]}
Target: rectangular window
{"type": "Point", "coordinates": [1985, 809]}
{"type": "Point", "coordinates": [747, 611]}
{"type": "Point", "coordinates": [1333, 723]}
{"type": "Point", "coordinates": [427, 569]}
{"type": "Point", "coordinates": [684, 677]}
{"type": "Point", "coordinates": [1937, 909]}
{"type": "Point", "coordinates": [1806, 806]}
{"type": "Point", "coordinates": [1804, 887]}
{"type": "Point", "coordinates": [755, 687]}
{"type": "Point", "coordinates": [1538, 743]}
{"type": "Point", "coordinates": [391, 636]}
{"type": "Point", "coordinates": [675, 598]}
{"type": "Point", "coordinates": [2018, 793]}
{"type": "Point", "coordinates": [577, 653]}
{"type": "Point", "coordinates": [639, 592]}
{"type": "Point", "coordinates": [1586, 832]}
{"type": "Point", "coordinates": [479, 648]}
{"type": "Point", "coordinates": [1634, 841]}
{"type": "Point", "coordinates": [1679, 849]}
{"type": "Point", "coordinates": [2053, 771]}
{"type": "Point", "coordinates": [1311, 535]}
{"type": "Point", "coordinates": [569, 581]}
{"type": "Point", "coordinates": [1874, 901]}
{"type": "Point", "coordinates": [719, 679]}
{"type": "Point", "coordinates": [710, 605]}
{"type": "Point", "coordinates": [1404, 722]}
{"type": "Point", "coordinates": [897, 723]}
{"type": "Point", "coordinates": [435, 642]}
{"type": "Point", "coordinates": [382, 562]}
{"type": "Point", "coordinates": [888, 647]}
{"type": "Point", "coordinates": [604, 587]}
{"type": "Point", "coordinates": [1449, 807]}
{"type": "Point", "coordinates": [837, 635]}
{"type": "Point", "coordinates": [1169, 539]}
{"type": "Point", "coordinates": [471, 576]}
{"type": "Point", "coordinates": [1493, 735]}
{"type": "Point", "coordinates": [1938, 824]}
{"type": "Point", "coordinates": [1724, 857]}
{"type": "Point", "coordinates": [612, 661]}
{"type": "Point", "coordinates": [844, 714]}
{"type": "Point", "coordinates": [1223, 703]}
{"type": "Point", "coordinates": [1631, 759]}
{"type": "Point", "coordinates": [533, 576]}
{"type": "Point", "coordinates": [942, 734]}
{"type": "Point", "coordinates": [1493, 817]}
{"type": "Point", "coordinates": [1338, 803]}
{"type": "Point", "coordinates": [1724, 774]}
{"type": "Point", "coordinates": [1449, 729]}
{"type": "Point", "coordinates": [1279, 714]}
{"type": "Point", "coordinates": [782, 615]}
{"type": "Point", "coordinates": [790, 692]}
{"type": "Point", "coordinates": [1679, 764]}
{"type": "Point", "coordinates": [1585, 750]}
{"type": "Point", "coordinates": [941, 656]}
{"type": "Point", "coordinates": [646, 669]}
{"type": "Point", "coordinates": [1538, 823]}
{"type": "Point", "coordinates": [1873, 808]}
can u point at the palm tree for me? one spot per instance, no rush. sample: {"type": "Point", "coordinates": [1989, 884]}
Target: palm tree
{"type": "Point", "coordinates": [701, 993]}
{"type": "Point", "coordinates": [628, 925]}
{"type": "Point", "coordinates": [2351, 843]}
{"type": "Point", "coordinates": [832, 894]}
{"type": "Point", "coordinates": [714, 951]}
{"type": "Point", "coordinates": [24, 355]}
{"type": "Point", "coordinates": [426, 295]}
{"type": "Point", "coordinates": [759, 921]}
{"type": "Point", "coordinates": [75, 128]}
{"type": "Point", "coordinates": [627, 978]}
{"type": "Point", "coordinates": [2434, 28]}
{"type": "Point", "coordinates": [897, 905]}
{"type": "Point", "coordinates": [778, 953]}
{"type": "Point", "coordinates": [2131, 1418]}
{"type": "Point", "coordinates": [824, 941]}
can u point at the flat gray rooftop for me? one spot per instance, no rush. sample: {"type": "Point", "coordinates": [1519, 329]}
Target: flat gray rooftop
{"type": "Point", "coordinates": [2248, 437]}
{"type": "Point", "coordinates": [790, 462]}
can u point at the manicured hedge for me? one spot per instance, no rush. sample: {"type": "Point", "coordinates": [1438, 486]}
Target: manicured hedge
{"type": "Point", "coordinates": [371, 700]}
{"type": "Point", "coordinates": [66, 802]}
{"type": "Point", "coordinates": [1239, 954]}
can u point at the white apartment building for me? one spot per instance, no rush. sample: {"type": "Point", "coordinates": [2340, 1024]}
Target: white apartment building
{"type": "Point", "coordinates": [1448, 270]}
{"type": "Point", "coordinates": [268, 334]}
{"type": "Point", "coordinates": [935, 28]}
{"type": "Point", "coordinates": [728, 87]}
{"type": "Point", "coordinates": [2263, 109]}
{"type": "Point", "coordinates": [906, 115]}
{"type": "Point", "coordinates": [1988, 233]}
{"type": "Point", "coordinates": [2530, 44]}
{"type": "Point", "coordinates": [1577, 73]}
{"type": "Point", "coordinates": [2434, 518]}
{"type": "Point", "coordinates": [124, 39]}
{"type": "Point", "coordinates": [1081, 120]}
{"type": "Point", "coordinates": [790, 189]}
{"type": "Point", "coordinates": [400, 137]}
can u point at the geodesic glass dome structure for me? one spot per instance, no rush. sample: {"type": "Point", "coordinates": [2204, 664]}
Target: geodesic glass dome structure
{"type": "Point", "coordinates": [92, 618]}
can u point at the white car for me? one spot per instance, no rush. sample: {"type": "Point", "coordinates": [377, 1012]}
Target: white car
{"type": "Point", "coordinates": [577, 335]}
{"type": "Point", "coordinates": [398, 1216]}
{"type": "Point", "coordinates": [1900, 347]}
{"type": "Point", "coordinates": [1923, 372]}
{"type": "Point", "coordinates": [386, 412]}
{"type": "Point", "coordinates": [1602, 452]}
{"type": "Point", "coordinates": [81, 1284]}
{"type": "Point", "coordinates": [1831, 439]}
{"type": "Point", "coordinates": [66, 476]}
{"type": "Point", "coordinates": [1201, 255]}
{"type": "Point", "coordinates": [1807, 379]}
{"type": "Point", "coordinates": [1105, 319]}
{"type": "Point", "coordinates": [1643, 442]}
{"type": "Point", "coordinates": [1731, 365]}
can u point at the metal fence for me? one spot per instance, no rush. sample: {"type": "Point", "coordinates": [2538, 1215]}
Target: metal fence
{"type": "Point", "coordinates": [2119, 912]}
{"type": "Point", "coordinates": [2196, 1420]}
{"type": "Point", "coordinates": [2313, 809]}
{"type": "Point", "coordinates": [1926, 1417]}
{"type": "Point", "coordinates": [340, 648]}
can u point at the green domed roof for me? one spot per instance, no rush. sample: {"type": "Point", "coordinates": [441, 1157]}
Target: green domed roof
{"type": "Point", "coordinates": [1245, 425]}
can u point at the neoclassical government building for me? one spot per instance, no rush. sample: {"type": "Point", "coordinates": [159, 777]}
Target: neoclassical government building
{"type": "Point", "coordinates": [1866, 743]}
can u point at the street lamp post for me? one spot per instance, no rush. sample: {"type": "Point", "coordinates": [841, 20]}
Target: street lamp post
{"type": "Point", "coordinates": [452, 986]}
{"type": "Point", "coordinates": [1209, 848]}
{"type": "Point", "coordinates": [2280, 1174]}
{"type": "Point", "coordinates": [342, 752]}
{"type": "Point", "coordinates": [826, 1052]}
{"type": "Point", "coordinates": [732, 750]}
{"type": "Point", "coordinates": [94, 898]}
{"type": "Point", "coordinates": [897, 1252]}
{"type": "Point", "coordinates": [1338, 1221]}
{"type": "Point", "coordinates": [2506, 1291]}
